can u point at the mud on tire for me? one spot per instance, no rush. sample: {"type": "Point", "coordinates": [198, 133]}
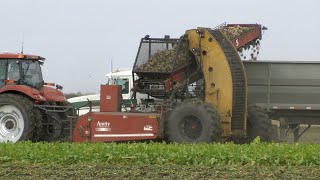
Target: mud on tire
{"type": "Point", "coordinates": [193, 122]}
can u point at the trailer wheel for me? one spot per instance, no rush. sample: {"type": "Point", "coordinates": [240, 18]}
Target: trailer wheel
{"type": "Point", "coordinates": [16, 118]}
{"type": "Point", "coordinates": [259, 124]}
{"type": "Point", "coordinates": [193, 123]}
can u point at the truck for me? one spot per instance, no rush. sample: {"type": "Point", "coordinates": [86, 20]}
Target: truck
{"type": "Point", "coordinates": [121, 77]}
{"type": "Point", "coordinates": [31, 109]}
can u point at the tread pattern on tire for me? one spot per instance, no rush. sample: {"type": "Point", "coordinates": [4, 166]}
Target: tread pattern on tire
{"type": "Point", "coordinates": [38, 133]}
{"type": "Point", "coordinates": [66, 132]}
{"type": "Point", "coordinates": [210, 115]}
{"type": "Point", "coordinates": [259, 124]}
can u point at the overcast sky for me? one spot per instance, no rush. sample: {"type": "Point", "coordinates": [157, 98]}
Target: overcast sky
{"type": "Point", "coordinates": [79, 38]}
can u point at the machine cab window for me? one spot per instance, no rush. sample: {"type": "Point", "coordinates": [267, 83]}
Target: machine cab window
{"type": "Point", "coordinates": [124, 82]}
{"type": "Point", "coordinates": [32, 75]}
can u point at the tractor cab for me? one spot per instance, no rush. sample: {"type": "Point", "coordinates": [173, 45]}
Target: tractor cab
{"type": "Point", "coordinates": [21, 70]}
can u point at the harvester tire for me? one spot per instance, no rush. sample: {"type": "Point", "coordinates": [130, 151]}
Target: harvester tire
{"type": "Point", "coordinates": [259, 124]}
{"type": "Point", "coordinates": [16, 118]}
{"type": "Point", "coordinates": [193, 122]}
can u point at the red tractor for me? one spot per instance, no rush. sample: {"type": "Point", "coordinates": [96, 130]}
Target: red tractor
{"type": "Point", "coordinates": [31, 109]}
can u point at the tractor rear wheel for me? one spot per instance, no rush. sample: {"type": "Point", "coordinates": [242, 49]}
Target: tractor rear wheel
{"type": "Point", "coordinates": [16, 118]}
{"type": "Point", "coordinates": [193, 122]}
{"type": "Point", "coordinates": [259, 124]}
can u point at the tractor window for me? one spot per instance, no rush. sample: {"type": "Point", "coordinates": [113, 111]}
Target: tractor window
{"type": "Point", "coordinates": [32, 74]}
{"type": "Point", "coordinates": [13, 70]}
{"type": "Point", "coordinates": [2, 71]}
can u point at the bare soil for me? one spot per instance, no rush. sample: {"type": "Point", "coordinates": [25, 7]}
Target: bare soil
{"type": "Point", "coordinates": [101, 171]}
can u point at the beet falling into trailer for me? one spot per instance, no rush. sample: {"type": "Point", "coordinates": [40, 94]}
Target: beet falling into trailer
{"type": "Point", "coordinates": [201, 94]}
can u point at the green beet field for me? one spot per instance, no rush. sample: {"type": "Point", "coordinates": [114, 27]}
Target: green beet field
{"type": "Point", "coordinates": [158, 160]}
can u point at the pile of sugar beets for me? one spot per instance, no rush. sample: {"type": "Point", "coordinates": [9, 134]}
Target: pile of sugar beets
{"type": "Point", "coordinates": [179, 55]}
{"type": "Point", "coordinates": [168, 60]}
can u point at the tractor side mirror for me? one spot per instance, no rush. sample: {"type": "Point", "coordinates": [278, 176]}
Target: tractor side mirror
{"type": "Point", "coordinates": [59, 87]}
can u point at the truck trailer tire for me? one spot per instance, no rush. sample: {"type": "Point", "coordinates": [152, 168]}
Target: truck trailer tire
{"type": "Point", "coordinates": [16, 118]}
{"type": "Point", "coordinates": [193, 123]}
{"type": "Point", "coordinates": [259, 124]}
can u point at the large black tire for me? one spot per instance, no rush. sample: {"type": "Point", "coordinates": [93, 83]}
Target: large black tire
{"type": "Point", "coordinates": [259, 124]}
{"type": "Point", "coordinates": [16, 118]}
{"type": "Point", "coordinates": [53, 131]}
{"type": "Point", "coordinates": [55, 126]}
{"type": "Point", "coordinates": [192, 122]}
{"type": "Point", "coordinates": [47, 126]}
{"type": "Point", "coordinates": [66, 134]}
{"type": "Point", "coordinates": [38, 134]}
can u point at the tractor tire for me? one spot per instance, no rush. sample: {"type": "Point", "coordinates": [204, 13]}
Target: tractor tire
{"type": "Point", "coordinates": [259, 124]}
{"type": "Point", "coordinates": [66, 131]}
{"type": "Point", "coordinates": [52, 131]}
{"type": "Point", "coordinates": [38, 134]}
{"type": "Point", "coordinates": [193, 122]}
{"type": "Point", "coordinates": [16, 118]}
{"type": "Point", "coordinates": [55, 126]}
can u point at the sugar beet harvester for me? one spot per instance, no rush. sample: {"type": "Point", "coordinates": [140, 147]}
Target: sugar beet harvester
{"type": "Point", "coordinates": [197, 88]}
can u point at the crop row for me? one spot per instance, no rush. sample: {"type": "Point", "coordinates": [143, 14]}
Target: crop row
{"type": "Point", "coordinates": [161, 153]}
